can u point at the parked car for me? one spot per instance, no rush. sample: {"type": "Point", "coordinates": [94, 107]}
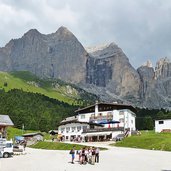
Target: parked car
{"type": "Point", "coordinates": [17, 148]}
{"type": "Point", "coordinates": [6, 148]}
{"type": "Point", "coordinates": [119, 137]}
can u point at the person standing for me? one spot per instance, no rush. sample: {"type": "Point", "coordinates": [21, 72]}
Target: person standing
{"type": "Point", "coordinates": [97, 155]}
{"type": "Point", "coordinates": [93, 155]}
{"type": "Point", "coordinates": [83, 156]}
{"type": "Point", "coordinates": [24, 144]}
{"type": "Point", "coordinates": [72, 152]}
{"type": "Point", "coordinates": [86, 155]}
{"type": "Point", "coordinates": [90, 155]}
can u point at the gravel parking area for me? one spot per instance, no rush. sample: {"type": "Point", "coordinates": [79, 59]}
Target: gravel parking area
{"type": "Point", "coordinates": [114, 159]}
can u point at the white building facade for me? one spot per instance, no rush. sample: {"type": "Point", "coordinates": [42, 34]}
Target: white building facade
{"type": "Point", "coordinates": [72, 130]}
{"type": "Point", "coordinates": [102, 121]}
{"type": "Point", "coordinates": [162, 125]}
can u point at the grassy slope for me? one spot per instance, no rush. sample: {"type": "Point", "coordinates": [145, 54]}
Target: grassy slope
{"type": "Point", "coordinates": [12, 132]}
{"type": "Point", "coordinates": [58, 146]}
{"type": "Point", "coordinates": [55, 146]}
{"type": "Point", "coordinates": [20, 80]}
{"type": "Point", "coordinates": [148, 140]}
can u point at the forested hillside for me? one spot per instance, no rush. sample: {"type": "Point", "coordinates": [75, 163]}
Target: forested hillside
{"type": "Point", "coordinates": [39, 104]}
{"type": "Point", "coordinates": [145, 118]}
{"type": "Point", "coordinates": [35, 111]}
{"type": "Point", "coordinates": [39, 112]}
{"type": "Point", "coordinates": [53, 88]}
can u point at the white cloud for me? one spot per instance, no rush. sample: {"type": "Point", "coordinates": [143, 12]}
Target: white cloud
{"type": "Point", "coordinates": [141, 28]}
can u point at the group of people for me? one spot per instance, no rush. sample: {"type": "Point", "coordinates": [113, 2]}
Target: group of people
{"type": "Point", "coordinates": [86, 155]}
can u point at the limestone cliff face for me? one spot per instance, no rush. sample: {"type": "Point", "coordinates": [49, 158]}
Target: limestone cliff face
{"type": "Point", "coordinates": [102, 70]}
{"type": "Point", "coordinates": [57, 55]}
{"type": "Point", "coordinates": [155, 90]}
{"type": "Point", "coordinates": [109, 67]}
{"type": "Point", "coordinates": [163, 80]}
{"type": "Point", "coordinates": [163, 69]}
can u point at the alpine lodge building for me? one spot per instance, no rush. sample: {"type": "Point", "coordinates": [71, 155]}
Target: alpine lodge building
{"type": "Point", "coordinates": [98, 122]}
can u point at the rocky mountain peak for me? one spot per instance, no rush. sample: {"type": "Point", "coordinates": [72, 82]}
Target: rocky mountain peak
{"type": "Point", "coordinates": [104, 50]}
{"type": "Point", "coordinates": [163, 68]}
{"type": "Point", "coordinates": [64, 34]}
{"type": "Point", "coordinates": [32, 33]}
{"type": "Point", "coordinates": [62, 29]}
{"type": "Point", "coordinates": [103, 70]}
{"type": "Point", "coordinates": [148, 64]}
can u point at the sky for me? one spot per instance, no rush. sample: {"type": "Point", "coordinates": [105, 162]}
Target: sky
{"type": "Point", "coordinates": [141, 28]}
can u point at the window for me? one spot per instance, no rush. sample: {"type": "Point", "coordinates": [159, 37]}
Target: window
{"type": "Point", "coordinates": [121, 113]}
{"type": "Point", "coordinates": [109, 116]}
{"type": "Point", "coordinates": [121, 120]}
{"type": "Point", "coordinates": [62, 130]}
{"type": "Point", "coordinates": [78, 128]}
{"type": "Point", "coordinates": [67, 129]}
{"type": "Point", "coordinates": [82, 116]}
{"type": "Point", "coordinates": [161, 122]}
{"type": "Point", "coordinates": [84, 127]}
{"type": "Point", "coordinates": [66, 137]}
{"type": "Point", "coordinates": [73, 129]}
{"type": "Point", "coordinates": [8, 145]}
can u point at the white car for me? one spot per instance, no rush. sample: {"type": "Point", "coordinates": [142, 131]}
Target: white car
{"type": "Point", "coordinates": [6, 148]}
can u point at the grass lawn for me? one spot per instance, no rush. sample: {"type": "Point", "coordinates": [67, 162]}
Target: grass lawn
{"type": "Point", "coordinates": [12, 132]}
{"type": "Point", "coordinates": [57, 146]}
{"type": "Point", "coordinates": [147, 140]}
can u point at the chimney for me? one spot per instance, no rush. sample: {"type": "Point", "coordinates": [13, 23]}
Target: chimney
{"type": "Point", "coordinates": [96, 108]}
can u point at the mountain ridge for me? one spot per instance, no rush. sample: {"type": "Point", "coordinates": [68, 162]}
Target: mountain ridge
{"type": "Point", "coordinates": [106, 68]}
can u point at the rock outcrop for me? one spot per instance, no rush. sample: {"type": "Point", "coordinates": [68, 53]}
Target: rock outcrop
{"type": "Point", "coordinates": [103, 70]}
{"type": "Point", "coordinates": [155, 90]}
{"type": "Point", "coordinates": [109, 67]}
{"type": "Point", "coordinates": [57, 55]}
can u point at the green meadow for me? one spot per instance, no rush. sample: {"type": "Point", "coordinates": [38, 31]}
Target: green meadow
{"type": "Point", "coordinates": [12, 132]}
{"type": "Point", "coordinates": [147, 140]}
{"type": "Point", "coordinates": [30, 83]}
{"type": "Point", "coordinates": [58, 146]}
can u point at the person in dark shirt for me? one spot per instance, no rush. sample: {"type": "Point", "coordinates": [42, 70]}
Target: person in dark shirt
{"type": "Point", "coordinates": [72, 152]}
{"type": "Point", "coordinates": [97, 155]}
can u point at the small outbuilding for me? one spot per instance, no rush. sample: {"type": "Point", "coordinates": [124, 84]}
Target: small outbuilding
{"type": "Point", "coordinates": [163, 125]}
{"type": "Point", "coordinates": [33, 136]}
{"type": "Point", "coordinates": [5, 122]}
